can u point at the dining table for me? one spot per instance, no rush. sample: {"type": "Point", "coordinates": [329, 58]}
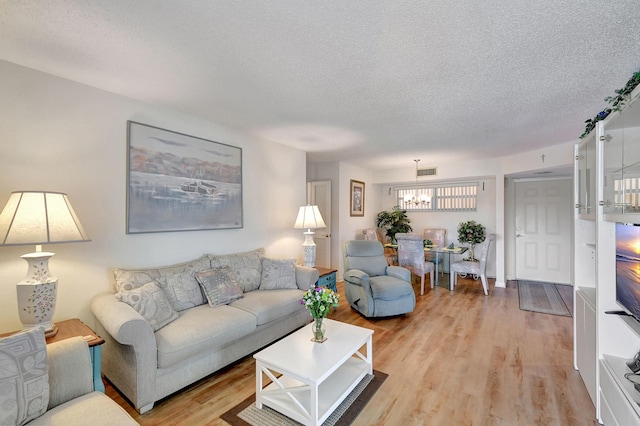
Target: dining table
{"type": "Point", "coordinates": [428, 248]}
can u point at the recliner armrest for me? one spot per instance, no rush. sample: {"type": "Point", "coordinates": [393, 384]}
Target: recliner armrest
{"type": "Point", "coordinates": [356, 276]}
{"type": "Point", "coordinates": [399, 272]}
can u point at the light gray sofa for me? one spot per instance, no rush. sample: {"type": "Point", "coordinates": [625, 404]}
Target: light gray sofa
{"type": "Point", "coordinates": [72, 400]}
{"type": "Point", "coordinates": [147, 365]}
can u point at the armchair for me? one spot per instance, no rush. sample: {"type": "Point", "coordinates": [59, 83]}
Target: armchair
{"type": "Point", "coordinates": [372, 287]}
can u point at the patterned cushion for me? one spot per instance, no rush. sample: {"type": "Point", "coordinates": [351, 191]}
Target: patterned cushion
{"type": "Point", "coordinates": [150, 302]}
{"type": "Point", "coordinates": [177, 281]}
{"type": "Point", "coordinates": [24, 377]}
{"type": "Point", "coordinates": [247, 267]}
{"type": "Point", "coordinates": [278, 274]}
{"type": "Point", "coordinates": [219, 285]}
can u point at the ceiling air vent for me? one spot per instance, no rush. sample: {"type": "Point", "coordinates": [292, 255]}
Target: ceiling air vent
{"type": "Point", "coordinates": [432, 171]}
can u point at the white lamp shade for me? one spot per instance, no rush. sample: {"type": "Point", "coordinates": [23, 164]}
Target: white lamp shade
{"type": "Point", "coordinates": [309, 217]}
{"type": "Point", "coordinates": [35, 217]}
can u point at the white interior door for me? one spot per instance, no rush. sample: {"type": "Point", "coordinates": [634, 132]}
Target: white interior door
{"type": "Point", "coordinates": [543, 230]}
{"type": "Point", "coordinates": [319, 193]}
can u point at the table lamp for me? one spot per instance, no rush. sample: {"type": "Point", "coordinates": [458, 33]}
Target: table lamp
{"type": "Point", "coordinates": [309, 218]}
{"type": "Point", "coordinates": [37, 217]}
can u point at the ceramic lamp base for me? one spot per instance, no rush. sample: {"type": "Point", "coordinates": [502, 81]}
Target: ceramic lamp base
{"type": "Point", "coordinates": [37, 294]}
{"type": "Point", "coordinates": [36, 305]}
{"type": "Point", "coordinates": [309, 249]}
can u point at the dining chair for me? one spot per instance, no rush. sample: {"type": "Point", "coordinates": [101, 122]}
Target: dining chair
{"type": "Point", "coordinates": [438, 238]}
{"type": "Point", "coordinates": [478, 269]}
{"type": "Point", "coordinates": [411, 256]}
{"type": "Point", "coordinates": [371, 234]}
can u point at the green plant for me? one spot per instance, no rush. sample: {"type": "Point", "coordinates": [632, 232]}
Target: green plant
{"type": "Point", "coordinates": [617, 103]}
{"type": "Point", "coordinates": [319, 300]}
{"type": "Point", "coordinates": [393, 221]}
{"type": "Point", "coordinates": [471, 233]}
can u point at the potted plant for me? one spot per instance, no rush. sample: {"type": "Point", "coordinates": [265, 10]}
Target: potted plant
{"type": "Point", "coordinates": [319, 301]}
{"type": "Point", "coordinates": [471, 233]}
{"type": "Point", "coordinates": [393, 221]}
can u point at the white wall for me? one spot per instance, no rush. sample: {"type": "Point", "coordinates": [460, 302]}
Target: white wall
{"type": "Point", "coordinates": [62, 136]}
{"type": "Point", "coordinates": [485, 215]}
{"type": "Point", "coordinates": [497, 217]}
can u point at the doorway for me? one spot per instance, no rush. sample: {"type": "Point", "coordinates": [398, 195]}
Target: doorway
{"type": "Point", "coordinates": [543, 230]}
{"type": "Point", "coordinates": [319, 193]}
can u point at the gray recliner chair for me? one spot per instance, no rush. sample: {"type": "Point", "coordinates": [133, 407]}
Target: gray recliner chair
{"type": "Point", "coordinates": [372, 287]}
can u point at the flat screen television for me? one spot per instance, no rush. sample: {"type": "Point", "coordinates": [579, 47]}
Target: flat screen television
{"type": "Point", "coordinates": [628, 267]}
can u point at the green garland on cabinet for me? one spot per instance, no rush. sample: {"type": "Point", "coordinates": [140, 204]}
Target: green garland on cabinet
{"type": "Point", "coordinates": [617, 103]}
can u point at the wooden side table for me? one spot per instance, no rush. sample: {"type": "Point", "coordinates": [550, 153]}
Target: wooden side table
{"type": "Point", "coordinates": [72, 328]}
{"type": "Point", "coordinates": [327, 278]}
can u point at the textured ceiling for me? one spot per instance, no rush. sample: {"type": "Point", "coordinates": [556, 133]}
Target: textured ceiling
{"type": "Point", "coordinates": [376, 83]}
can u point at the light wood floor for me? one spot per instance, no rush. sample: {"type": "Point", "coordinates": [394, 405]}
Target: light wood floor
{"type": "Point", "coordinates": [459, 359]}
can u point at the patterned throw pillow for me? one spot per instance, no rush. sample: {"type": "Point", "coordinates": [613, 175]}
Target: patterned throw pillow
{"type": "Point", "coordinates": [177, 281]}
{"type": "Point", "coordinates": [24, 377]}
{"type": "Point", "coordinates": [278, 274]}
{"type": "Point", "coordinates": [219, 285]}
{"type": "Point", "coordinates": [150, 302]}
{"type": "Point", "coordinates": [247, 267]}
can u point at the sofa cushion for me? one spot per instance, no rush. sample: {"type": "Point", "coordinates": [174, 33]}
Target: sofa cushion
{"type": "Point", "coordinates": [246, 266]}
{"type": "Point", "coordinates": [177, 281]}
{"type": "Point", "coordinates": [269, 305]}
{"type": "Point", "coordinates": [24, 377]}
{"type": "Point", "coordinates": [150, 302]}
{"type": "Point", "coordinates": [200, 330]}
{"type": "Point", "coordinates": [94, 408]}
{"type": "Point", "coordinates": [386, 287]}
{"type": "Point", "coordinates": [219, 285]}
{"type": "Point", "coordinates": [278, 274]}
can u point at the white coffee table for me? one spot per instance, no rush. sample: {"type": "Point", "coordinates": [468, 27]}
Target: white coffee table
{"type": "Point", "coordinates": [315, 377]}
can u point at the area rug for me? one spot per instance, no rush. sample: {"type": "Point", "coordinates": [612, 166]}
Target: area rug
{"type": "Point", "coordinates": [247, 414]}
{"type": "Point", "coordinates": [541, 297]}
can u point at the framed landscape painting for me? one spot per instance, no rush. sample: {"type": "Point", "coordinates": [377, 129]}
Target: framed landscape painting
{"type": "Point", "coordinates": [357, 198]}
{"type": "Point", "coordinates": [177, 182]}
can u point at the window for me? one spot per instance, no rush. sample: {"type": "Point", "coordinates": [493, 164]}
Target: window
{"type": "Point", "coordinates": [445, 197]}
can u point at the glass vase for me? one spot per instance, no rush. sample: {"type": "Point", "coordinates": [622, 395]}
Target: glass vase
{"type": "Point", "coordinates": [319, 329]}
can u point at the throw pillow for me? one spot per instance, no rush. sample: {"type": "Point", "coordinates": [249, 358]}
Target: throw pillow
{"type": "Point", "coordinates": [177, 281]}
{"type": "Point", "coordinates": [150, 302]}
{"type": "Point", "coordinates": [219, 285]}
{"type": "Point", "coordinates": [24, 377]}
{"type": "Point", "coordinates": [247, 267]}
{"type": "Point", "coordinates": [278, 274]}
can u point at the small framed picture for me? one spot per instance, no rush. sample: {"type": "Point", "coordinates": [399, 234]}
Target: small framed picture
{"type": "Point", "coordinates": [357, 198]}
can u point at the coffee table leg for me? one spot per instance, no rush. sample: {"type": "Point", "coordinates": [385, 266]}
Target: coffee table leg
{"type": "Point", "coordinates": [370, 354]}
{"type": "Point", "coordinates": [258, 385]}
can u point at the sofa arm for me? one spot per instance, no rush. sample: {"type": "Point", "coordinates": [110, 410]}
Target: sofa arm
{"type": "Point", "coordinates": [129, 357]}
{"type": "Point", "coordinates": [306, 277]}
{"type": "Point", "coordinates": [70, 372]}
{"type": "Point", "coordinates": [399, 272]}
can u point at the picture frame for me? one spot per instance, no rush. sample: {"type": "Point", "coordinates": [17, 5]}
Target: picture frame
{"type": "Point", "coordinates": [178, 182]}
{"type": "Point", "coordinates": [356, 203]}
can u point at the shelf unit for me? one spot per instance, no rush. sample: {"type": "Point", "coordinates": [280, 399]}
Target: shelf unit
{"type": "Point", "coordinates": [602, 343]}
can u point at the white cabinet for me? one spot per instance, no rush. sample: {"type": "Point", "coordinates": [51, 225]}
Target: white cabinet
{"type": "Point", "coordinates": [602, 342]}
{"type": "Point", "coordinates": [621, 183]}
{"type": "Point", "coordinates": [619, 398]}
{"type": "Point", "coordinates": [586, 354]}
{"type": "Point", "coordinates": [586, 159]}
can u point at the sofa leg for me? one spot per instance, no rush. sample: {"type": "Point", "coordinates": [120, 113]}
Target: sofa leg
{"type": "Point", "coordinates": [146, 408]}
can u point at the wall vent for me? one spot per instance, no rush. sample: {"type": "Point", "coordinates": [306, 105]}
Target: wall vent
{"type": "Point", "coordinates": [432, 171]}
